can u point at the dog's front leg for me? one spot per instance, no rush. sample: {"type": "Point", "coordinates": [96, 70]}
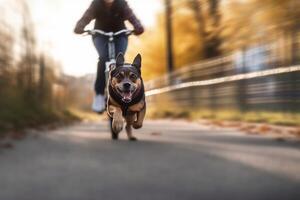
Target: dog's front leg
{"type": "Point", "coordinates": [129, 121]}
{"type": "Point", "coordinates": [140, 119]}
{"type": "Point", "coordinates": [117, 123]}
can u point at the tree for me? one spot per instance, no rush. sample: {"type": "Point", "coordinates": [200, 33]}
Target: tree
{"type": "Point", "coordinates": [209, 26]}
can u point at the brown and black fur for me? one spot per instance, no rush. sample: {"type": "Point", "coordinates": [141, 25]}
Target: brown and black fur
{"type": "Point", "coordinates": [126, 96]}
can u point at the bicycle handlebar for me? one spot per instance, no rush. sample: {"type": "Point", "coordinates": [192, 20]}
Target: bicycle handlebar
{"type": "Point", "coordinates": [108, 34]}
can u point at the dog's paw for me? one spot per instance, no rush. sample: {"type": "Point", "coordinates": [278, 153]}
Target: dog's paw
{"type": "Point", "coordinates": [117, 125]}
{"type": "Point", "coordinates": [114, 136]}
{"type": "Point", "coordinates": [137, 125]}
{"type": "Point", "coordinates": [133, 139]}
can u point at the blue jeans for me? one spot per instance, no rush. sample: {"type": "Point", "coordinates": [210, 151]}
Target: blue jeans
{"type": "Point", "coordinates": [101, 45]}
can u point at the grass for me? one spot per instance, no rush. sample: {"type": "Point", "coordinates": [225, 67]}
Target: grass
{"type": "Point", "coordinates": [20, 109]}
{"type": "Point", "coordinates": [17, 116]}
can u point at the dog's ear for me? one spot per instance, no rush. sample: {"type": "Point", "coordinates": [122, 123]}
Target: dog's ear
{"type": "Point", "coordinates": [112, 67]}
{"type": "Point", "coordinates": [120, 60]}
{"type": "Point", "coordinates": [137, 62]}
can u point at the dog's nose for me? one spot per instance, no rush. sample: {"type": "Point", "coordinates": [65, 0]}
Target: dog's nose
{"type": "Point", "coordinates": [126, 85]}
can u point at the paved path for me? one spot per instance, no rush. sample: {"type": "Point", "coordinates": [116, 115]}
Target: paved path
{"type": "Point", "coordinates": [172, 160]}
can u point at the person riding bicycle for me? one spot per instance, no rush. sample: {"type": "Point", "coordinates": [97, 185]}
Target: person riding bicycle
{"type": "Point", "coordinates": [110, 16]}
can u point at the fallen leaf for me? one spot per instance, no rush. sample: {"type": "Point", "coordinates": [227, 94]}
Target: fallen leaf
{"type": "Point", "coordinates": [156, 134]}
{"type": "Point", "coordinates": [264, 129]}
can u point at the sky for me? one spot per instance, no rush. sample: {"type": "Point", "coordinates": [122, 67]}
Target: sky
{"type": "Point", "coordinates": [54, 23]}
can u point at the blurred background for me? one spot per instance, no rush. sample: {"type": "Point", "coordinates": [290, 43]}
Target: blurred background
{"type": "Point", "coordinates": [214, 59]}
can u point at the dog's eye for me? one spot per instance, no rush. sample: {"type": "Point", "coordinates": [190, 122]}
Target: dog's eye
{"type": "Point", "coordinates": [133, 77]}
{"type": "Point", "coordinates": [119, 76]}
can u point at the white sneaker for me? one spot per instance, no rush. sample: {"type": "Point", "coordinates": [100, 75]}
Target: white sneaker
{"type": "Point", "coordinates": [99, 103]}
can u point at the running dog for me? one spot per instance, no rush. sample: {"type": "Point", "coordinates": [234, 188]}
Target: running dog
{"type": "Point", "coordinates": [126, 96]}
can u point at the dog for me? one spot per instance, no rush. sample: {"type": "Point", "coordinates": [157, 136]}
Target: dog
{"type": "Point", "coordinates": [126, 96]}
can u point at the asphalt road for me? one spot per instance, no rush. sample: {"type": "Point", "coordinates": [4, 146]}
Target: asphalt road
{"type": "Point", "coordinates": [172, 160]}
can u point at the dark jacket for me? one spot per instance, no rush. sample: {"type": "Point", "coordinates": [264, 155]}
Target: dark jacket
{"type": "Point", "coordinates": [110, 19]}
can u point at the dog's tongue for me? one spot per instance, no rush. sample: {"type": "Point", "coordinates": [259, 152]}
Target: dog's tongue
{"type": "Point", "coordinates": [127, 96]}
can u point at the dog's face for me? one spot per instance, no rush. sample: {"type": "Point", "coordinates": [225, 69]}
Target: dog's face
{"type": "Point", "coordinates": [126, 78]}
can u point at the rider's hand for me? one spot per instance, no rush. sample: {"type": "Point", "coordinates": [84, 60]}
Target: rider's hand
{"type": "Point", "coordinates": [79, 29]}
{"type": "Point", "coordinates": [139, 30]}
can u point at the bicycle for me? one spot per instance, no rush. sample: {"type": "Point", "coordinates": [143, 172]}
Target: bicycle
{"type": "Point", "coordinates": [112, 58]}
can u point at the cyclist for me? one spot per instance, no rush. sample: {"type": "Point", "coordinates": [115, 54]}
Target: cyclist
{"type": "Point", "coordinates": [110, 16]}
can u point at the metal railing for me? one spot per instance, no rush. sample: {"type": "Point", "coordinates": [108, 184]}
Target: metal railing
{"type": "Point", "coordinates": [258, 78]}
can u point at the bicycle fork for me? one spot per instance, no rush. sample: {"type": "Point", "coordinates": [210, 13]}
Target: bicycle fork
{"type": "Point", "coordinates": [112, 60]}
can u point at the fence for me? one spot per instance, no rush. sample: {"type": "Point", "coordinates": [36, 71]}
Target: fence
{"type": "Point", "coordinates": [260, 78]}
